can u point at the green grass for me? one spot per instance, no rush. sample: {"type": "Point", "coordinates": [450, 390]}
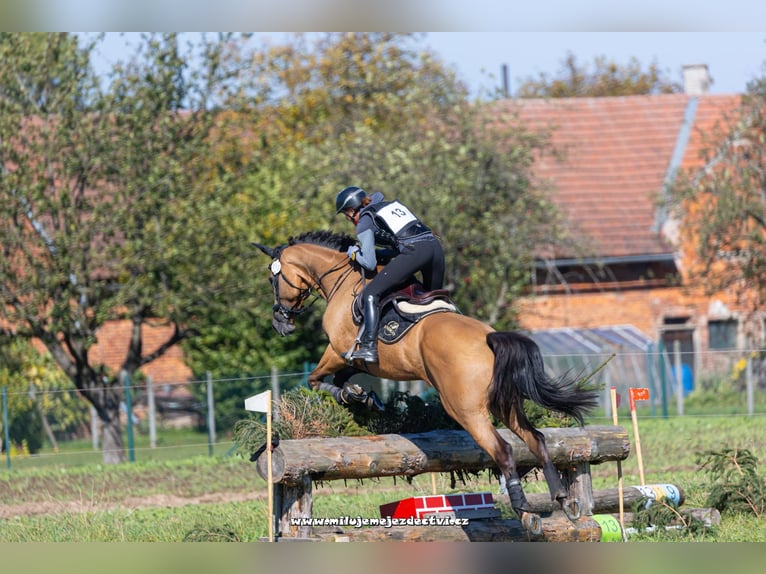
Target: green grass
{"type": "Point", "coordinates": [171, 445]}
{"type": "Point", "coordinates": [177, 498]}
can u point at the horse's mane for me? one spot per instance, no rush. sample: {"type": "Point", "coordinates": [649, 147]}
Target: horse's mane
{"type": "Point", "coordinates": [323, 238]}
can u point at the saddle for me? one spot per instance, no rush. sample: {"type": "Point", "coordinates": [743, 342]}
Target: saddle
{"type": "Point", "coordinates": [403, 308]}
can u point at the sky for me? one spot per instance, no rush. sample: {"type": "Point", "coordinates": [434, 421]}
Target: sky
{"type": "Point", "coordinates": [733, 58]}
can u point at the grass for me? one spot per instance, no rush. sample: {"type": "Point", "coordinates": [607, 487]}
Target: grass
{"type": "Point", "coordinates": [172, 444]}
{"type": "Point", "coordinates": [222, 498]}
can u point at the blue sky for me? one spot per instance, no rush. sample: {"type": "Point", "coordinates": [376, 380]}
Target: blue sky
{"type": "Point", "coordinates": [733, 58]}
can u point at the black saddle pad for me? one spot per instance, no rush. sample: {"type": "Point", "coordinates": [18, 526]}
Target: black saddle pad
{"type": "Point", "coordinates": [399, 316]}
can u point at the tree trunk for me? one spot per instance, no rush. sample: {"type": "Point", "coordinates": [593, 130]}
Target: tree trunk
{"type": "Point", "coordinates": [112, 447]}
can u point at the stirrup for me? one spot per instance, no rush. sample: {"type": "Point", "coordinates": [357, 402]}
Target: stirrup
{"type": "Point", "coordinates": [366, 353]}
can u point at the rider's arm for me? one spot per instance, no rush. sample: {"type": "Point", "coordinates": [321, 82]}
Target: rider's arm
{"type": "Point", "coordinates": [366, 255]}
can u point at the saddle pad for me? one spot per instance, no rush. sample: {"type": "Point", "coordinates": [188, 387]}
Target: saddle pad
{"type": "Point", "coordinates": [399, 318]}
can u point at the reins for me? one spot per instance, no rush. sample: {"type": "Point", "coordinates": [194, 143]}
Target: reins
{"type": "Point", "coordinates": [305, 293]}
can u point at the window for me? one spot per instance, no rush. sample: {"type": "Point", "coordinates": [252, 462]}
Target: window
{"type": "Point", "coordinates": [722, 334]}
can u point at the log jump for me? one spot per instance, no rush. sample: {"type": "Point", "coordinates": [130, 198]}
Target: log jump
{"type": "Point", "coordinates": [296, 464]}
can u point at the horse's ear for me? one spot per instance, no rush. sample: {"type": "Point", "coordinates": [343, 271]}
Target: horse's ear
{"type": "Point", "coordinates": [267, 250]}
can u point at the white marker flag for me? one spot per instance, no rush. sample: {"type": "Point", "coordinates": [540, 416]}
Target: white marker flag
{"type": "Point", "coordinates": [259, 403]}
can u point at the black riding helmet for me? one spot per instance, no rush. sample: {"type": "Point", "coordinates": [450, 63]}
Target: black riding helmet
{"type": "Point", "coordinates": [349, 198]}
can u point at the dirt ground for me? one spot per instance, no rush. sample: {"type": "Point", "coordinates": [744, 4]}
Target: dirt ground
{"type": "Point", "coordinates": [153, 501]}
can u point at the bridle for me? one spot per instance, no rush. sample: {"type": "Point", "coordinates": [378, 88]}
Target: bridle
{"type": "Point", "coordinates": [303, 292]}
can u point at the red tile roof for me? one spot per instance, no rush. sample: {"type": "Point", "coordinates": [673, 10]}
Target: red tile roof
{"type": "Point", "coordinates": [617, 153]}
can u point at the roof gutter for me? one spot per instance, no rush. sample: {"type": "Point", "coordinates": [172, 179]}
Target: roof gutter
{"type": "Point", "coordinates": [682, 141]}
{"type": "Point", "coordinates": [654, 258]}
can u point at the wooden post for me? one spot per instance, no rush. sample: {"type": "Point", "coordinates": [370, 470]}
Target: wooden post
{"type": "Point", "coordinates": [613, 395]}
{"type": "Point", "coordinates": [578, 479]}
{"type": "Point", "coordinates": [294, 501]}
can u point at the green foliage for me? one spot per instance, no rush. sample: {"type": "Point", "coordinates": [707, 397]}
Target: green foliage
{"type": "Point", "coordinates": [735, 485]}
{"type": "Point", "coordinates": [406, 413]}
{"type": "Point", "coordinates": [662, 519]}
{"type": "Point", "coordinates": [301, 413]}
{"type": "Point", "coordinates": [607, 78]}
{"type": "Point", "coordinates": [37, 388]}
{"type": "Point", "coordinates": [105, 211]}
{"type": "Point", "coordinates": [721, 206]}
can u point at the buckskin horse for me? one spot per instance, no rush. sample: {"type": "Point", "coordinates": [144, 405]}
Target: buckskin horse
{"type": "Point", "coordinates": [476, 370]}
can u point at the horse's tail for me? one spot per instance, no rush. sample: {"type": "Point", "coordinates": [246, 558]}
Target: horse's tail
{"type": "Point", "coordinates": [519, 373]}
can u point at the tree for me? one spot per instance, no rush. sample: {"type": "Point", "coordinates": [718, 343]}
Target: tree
{"type": "Point", "coordinates": [41, 400]}
{"type": "Point", "coordinates": [378, 111]}
{"type": "Point", "coordinates": [608, 78]}
{"type": "Point", "coordinates": [101, 212]}
{"type": "Point", "coordinates": [721, 208]}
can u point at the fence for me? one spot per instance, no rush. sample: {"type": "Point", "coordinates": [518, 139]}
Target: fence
{"type": "Point", "coordinates": [156, 408]}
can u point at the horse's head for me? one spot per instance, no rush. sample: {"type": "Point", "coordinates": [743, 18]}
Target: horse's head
{"type": "Point", "coordinates": [299, 267]}
{"type": "Point", "coordinates": [290, 287]}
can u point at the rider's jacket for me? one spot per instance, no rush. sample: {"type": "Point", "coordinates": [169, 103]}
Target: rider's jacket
{"type": "Point", "coordinates": [394, 224]}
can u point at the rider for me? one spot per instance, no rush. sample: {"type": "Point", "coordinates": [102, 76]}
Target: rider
{"type": "Point", "coordinates": [407, 240]}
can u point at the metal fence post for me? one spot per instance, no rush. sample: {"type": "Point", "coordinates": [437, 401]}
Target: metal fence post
{"type": "Point", "coordinates": [129, 409]}
{"type": "Point", "coordinates": [679, 377]}
{"type": "Point", "coordinates": [210, 415]}
{"type": "Point", "coordinates": [749, 382]}
{"type": "Point", "coordinates": [152, 412]}
{"type": "Point", "coordinates": [6, 432]}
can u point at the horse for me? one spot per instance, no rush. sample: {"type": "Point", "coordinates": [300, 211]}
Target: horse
{"type": "Point", "coordinates": [477, 371]}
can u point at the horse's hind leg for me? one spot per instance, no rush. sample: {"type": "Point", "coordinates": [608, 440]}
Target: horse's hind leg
{"type": "Point", "coordinates": [534, 439]}
{"type": "Point", "coordinates": [487, 437]}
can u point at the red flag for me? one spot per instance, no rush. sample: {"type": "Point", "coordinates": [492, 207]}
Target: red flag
{"type": "Point", "coordinates": [637, 395]}
{"type": "Point", "coordinates": [617, 398]}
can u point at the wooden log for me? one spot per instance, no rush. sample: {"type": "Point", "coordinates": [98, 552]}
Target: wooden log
{"type": "Point", "coordinates": [605, 501]}
{"type": "Point", "coordinates": [709, 516]}
{"type": "Point", "coordinates": [334, 458]}
{"type": "Point", "coordinates": [293, 502]}
{"type": "Point", "coordinates": [556, 528]}
{"type": "Point", "coordinates": [578, 480]}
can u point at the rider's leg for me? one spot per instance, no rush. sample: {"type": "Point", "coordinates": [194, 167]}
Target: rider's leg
{"type": "Point", "coordinates": [411, 258]}
{"type": "Point", "coordinates": [368, 341]}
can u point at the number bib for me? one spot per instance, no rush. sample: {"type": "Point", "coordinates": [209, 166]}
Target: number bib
{"type": "Point", "coordinates": [396, 216]}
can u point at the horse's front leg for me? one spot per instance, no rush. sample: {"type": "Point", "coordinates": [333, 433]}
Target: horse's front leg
{"type": "Point", "coordinates": [344, 392]}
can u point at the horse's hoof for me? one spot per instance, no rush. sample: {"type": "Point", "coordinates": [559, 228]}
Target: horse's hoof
{"type": "Point", "coordinates": [572, 508]}
{"type": "Point", "coordinates": [532, 523]}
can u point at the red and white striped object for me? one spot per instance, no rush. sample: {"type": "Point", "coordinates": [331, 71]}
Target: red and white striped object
{"type": "Point", "coordinates": [457, 504]}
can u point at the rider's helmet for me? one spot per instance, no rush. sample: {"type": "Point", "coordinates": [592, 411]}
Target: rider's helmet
{"type": "Point", "coordinates": [349, 198]}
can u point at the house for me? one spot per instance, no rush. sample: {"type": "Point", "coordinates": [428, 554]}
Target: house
{"type": "Point", "coordinates": [618, 156]}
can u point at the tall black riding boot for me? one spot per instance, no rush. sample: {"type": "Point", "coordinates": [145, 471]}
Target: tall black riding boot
{"type": "Point", "coordinates": [368, 343]}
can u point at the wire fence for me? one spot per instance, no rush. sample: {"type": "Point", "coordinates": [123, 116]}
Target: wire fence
{"type": "Point", "coordinates": [179, 419]}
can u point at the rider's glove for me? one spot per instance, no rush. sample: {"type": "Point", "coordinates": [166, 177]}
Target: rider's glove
{"type": "Point", "coordinates": [352, 251]}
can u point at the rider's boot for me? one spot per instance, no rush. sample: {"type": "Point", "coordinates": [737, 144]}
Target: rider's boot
{"type": "Point", "coordinates": [368, 342]}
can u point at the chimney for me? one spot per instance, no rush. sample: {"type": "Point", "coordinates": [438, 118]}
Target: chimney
{"type": "Point", "coordinates": [697, 79]}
